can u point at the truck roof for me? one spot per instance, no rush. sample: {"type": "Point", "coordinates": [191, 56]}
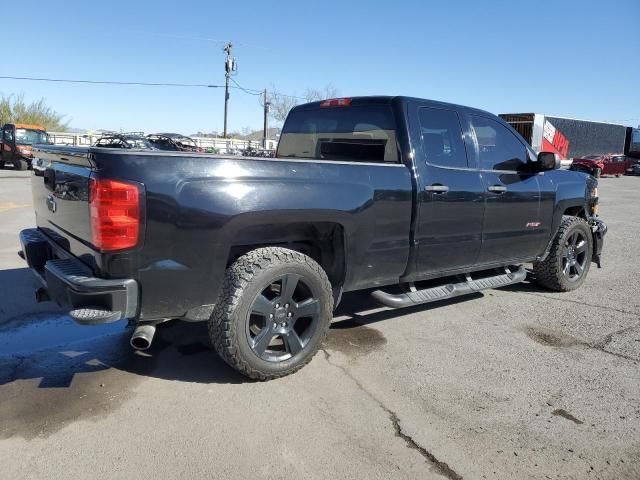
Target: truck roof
{"type": "Point", "coordinates": [29, 126]}
{"type": "Point", "coordinates": [384, 99]}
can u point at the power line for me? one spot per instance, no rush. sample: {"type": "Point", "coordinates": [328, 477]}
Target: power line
{"type": "Point", "coordinates": [111, 82]}
{"type": "Point", "coordinates": [249, 91]}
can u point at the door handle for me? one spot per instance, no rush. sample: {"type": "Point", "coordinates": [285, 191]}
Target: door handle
{"type": "Point", "coordinates": [497, 188]}
{"type": "Point", "coordinates": [437, 188]}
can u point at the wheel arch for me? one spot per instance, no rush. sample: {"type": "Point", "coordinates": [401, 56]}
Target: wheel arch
{"type": "Point", "coordinates": [323, 241]}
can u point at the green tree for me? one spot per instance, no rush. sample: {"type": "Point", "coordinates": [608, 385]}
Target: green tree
{"type": "Point", "coordinates": [14, 109]}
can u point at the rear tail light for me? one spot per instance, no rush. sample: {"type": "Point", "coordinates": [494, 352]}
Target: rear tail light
{"type": "Point", "coordinates": [336, 102]}
{"type": "Point", "coordinates": [115, 214]}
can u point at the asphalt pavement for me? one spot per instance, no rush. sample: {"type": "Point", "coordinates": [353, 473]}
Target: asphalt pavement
{"type": "Point", "coordinates": [511, 383]}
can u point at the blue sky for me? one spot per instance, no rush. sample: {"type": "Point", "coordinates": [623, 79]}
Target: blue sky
{"type": "Point", "coordinates": [569, 58]}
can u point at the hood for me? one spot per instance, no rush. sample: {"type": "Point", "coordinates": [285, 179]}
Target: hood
{"type": "Point", "coordinates": [24, 150]}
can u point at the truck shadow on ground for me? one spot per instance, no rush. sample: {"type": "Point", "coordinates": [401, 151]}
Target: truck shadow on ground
{"type": "Point", "coordinates": [54, 372]}
{"type": "Point", "coordinates": [45, 344]}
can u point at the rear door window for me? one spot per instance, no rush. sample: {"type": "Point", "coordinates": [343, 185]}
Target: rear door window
{"type": "Point", "coordinates": [441, 137]}
{"type": "Point", "coordinates": [355, 133]}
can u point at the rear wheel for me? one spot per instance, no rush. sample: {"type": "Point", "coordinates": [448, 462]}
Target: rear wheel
{"type": "Point", "coordinates": [597, 172]}
{"type": "Point", "coordinates": [273, 313]}
{"type": "Point", "coordinates": [1, 164]}
{"type": "Point", "coordinates": [567, 265]}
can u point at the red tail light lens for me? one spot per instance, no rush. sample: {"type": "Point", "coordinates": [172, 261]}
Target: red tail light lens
{"type": "Point", "coordinates": [336, 102]}
{"type": "Point", "coordinates": [115, 214]}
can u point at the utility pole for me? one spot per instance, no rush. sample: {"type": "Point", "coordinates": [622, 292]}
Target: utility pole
{"type": "Point", "coordinates": [265, 134]}
{"type": "Point", "coordinates": [230, 67]}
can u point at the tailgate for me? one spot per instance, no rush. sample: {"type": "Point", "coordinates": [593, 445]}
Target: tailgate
{"type": "Point", "coordinates": [61, 198]}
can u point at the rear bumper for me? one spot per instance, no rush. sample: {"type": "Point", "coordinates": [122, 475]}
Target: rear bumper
{"type": "Point", "coordinates": [70, 283]}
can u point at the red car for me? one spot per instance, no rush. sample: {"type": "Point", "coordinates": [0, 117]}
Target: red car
{"type": "Point", "coordinates": [596, 165]}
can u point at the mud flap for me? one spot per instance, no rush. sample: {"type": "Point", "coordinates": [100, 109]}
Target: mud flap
{"type": "Point", "coordinates": [598, 231]}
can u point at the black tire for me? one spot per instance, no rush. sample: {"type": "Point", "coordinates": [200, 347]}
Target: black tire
{"type": "Point", "coordinates": [567, 265]}
{"type": "Point", "coordinates": [21, 165]}
{"type": "Point", "coordinates": [243, 321]}
{"type": "Point", "coordinates": [1, 165]}
{"type": "Point", "coordinates": [597, 172]}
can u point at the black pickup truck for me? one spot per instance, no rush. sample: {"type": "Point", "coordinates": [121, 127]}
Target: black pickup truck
{"type": "Point", "coordinates": [414, 199]}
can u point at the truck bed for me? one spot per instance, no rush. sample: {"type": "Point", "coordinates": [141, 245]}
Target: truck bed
{"type": "Point", "coordinates": [198, 211]}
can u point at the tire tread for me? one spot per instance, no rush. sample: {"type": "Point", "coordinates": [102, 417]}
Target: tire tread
{"type": "Point", "coordinates": [546, 271]}
{"type": "Point", "coordinates": [238, 276]}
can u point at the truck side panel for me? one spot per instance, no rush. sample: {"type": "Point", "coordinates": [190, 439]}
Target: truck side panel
{"type": "Point", "coordinates": [198, 207]}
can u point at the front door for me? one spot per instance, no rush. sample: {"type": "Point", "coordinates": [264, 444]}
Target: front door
{"type": "Point", "coordinates": [513, 227]}
{"type": "Point", "coordinates": [450, 193]}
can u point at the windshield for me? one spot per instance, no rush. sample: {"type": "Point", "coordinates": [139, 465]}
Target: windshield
{"type": "Point", "coordinates": [29, 137]}
{"type": "Point", "coordinates": [187, 141]}
{"type": "Point", "coordinates": [137, 142]}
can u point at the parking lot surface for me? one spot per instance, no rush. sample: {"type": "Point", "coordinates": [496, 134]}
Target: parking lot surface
{"type": "Point", "coordinates": [511, 383]}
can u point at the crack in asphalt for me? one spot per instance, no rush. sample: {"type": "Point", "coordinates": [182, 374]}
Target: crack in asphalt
{"type": "Point", "coordinates": [555, 339]}
{"type": "Point", "coordinates": [600, 346]}
{"type": "Point", "coordinates": [567, 300]}
{"type": "Point", "coordinates": [441, 467]}
{"type": "Point", "coordinates": [609, 337]}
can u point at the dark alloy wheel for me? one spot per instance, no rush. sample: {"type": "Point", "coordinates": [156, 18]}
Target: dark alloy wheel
{"type": "Point", "coordinates": [574, 256]}
{"type": "Point", "coordinates": [282, 318]}
{"type": "Point", "coordinates": [566, 266]}
{"type": "Point", "coordinates": [273, 313]}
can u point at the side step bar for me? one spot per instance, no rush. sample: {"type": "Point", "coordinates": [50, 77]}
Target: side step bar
{"type": "Point", "coordinates": [450, 290]}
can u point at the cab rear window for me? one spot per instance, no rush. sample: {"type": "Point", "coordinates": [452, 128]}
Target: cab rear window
{"type": "Point", "coordinates": [355, 133]}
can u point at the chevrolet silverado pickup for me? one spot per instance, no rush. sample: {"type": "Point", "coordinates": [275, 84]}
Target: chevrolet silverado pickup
{"type": "Point", "coordinates": [413, 200]}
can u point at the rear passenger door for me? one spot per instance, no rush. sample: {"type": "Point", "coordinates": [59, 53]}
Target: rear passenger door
{"type": "Point", "coordinates": [513, 227]}
{"type": "Point", "coordinates": [450, 193]}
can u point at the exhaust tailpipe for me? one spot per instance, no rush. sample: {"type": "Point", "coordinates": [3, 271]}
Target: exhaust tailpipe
{"type": "Point", "coordinates": [42, 295]}
{"type": "Point", "coordinates": [142, 337]}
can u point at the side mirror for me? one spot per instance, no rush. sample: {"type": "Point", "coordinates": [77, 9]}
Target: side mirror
{"type": "Point", "coordinates": [548, 161]}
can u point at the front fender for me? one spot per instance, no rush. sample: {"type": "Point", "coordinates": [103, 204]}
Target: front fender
{"type": "Point", "coordinates": [572, 196]}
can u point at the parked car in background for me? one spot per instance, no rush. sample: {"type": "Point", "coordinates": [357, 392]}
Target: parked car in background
{"type": "Point", "coordinates": [130, 140]}
{"type": "Point", "coordinates": [596, 165]}
{"type": "Point", "coordinates": [17, 142]}
{"type": "Point", "coordinates": [174, 142]}
{"type": "Point", "coordinates": [250, 151]}
{"type": "Point", "coordinates": [233, 151]}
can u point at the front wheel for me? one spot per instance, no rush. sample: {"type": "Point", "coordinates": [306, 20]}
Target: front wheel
{"type": "Point", "coordinates": [21, 165]}
{"type": "Point", "coordinates": [568, 262]}
{"type": "Point", "coordinates": [273, 313]}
